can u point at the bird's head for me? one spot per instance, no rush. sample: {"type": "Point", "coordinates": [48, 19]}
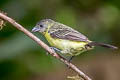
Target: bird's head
{"type": "Point", "coordinates": [43, 25]}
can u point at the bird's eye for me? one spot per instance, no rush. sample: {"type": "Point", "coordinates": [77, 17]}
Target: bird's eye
{"type": "Point", "coordinates": [41, 26]}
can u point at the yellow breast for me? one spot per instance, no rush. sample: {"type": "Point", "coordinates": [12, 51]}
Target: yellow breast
{"type": "Point", "coordinates": [64, 44]}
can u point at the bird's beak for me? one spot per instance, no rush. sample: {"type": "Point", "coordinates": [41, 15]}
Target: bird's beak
{"type": "Point", "coordinates": [36, 29]}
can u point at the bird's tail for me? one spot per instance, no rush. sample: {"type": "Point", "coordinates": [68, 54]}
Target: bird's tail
{"type": "Point", "coordinates": [101, 44]}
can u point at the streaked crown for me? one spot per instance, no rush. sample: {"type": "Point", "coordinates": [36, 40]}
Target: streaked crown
{"type": "Point", "coordinates": [42, 25]}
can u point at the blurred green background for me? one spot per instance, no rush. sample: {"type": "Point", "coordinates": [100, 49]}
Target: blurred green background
{"type": "Point", "coordinates": [22, 59]}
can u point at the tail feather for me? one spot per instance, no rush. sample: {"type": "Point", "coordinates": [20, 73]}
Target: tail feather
{"type": "Point", "coordinates": [102, 44]}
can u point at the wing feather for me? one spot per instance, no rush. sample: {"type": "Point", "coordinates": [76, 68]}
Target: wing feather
{"type": "Point", "coordinates": [64, 32]}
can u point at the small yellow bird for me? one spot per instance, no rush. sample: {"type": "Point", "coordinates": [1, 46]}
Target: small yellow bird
{"type": "Point", "coordinates": [65, 39]}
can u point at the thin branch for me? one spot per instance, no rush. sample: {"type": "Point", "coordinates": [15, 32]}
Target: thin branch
{"type": "Point", "coordinates": [46, 47]}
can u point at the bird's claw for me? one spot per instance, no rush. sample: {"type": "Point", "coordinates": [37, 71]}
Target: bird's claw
{"type": "Point", "coordinates": [55, 49]}
{"type": "Point", "coordinates": [69, 60]}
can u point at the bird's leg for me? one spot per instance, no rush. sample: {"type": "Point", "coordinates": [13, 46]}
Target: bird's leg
{"type": "Point", "coordinates": [53, 48]}
{"type": "Point", "coordinates": [70, 59]}
{"type": "Point", "coordinates": [69, 53]}
{"type": "Point", "coordinates": [56, 49]}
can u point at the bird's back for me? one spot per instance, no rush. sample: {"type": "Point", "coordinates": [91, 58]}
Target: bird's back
{"type": "Point", "coordinates": [61, 31]}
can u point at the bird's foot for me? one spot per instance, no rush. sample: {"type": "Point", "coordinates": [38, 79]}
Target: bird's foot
{"type": "Point", "coordinates": [69, 60]}
{"type": "Point", "coordinates": [55, 49]}
{"type": "Point", "coordinates": [52, 49]}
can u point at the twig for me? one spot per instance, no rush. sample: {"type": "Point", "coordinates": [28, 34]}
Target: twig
{"type": "Point", "coordinates": [46, 47]}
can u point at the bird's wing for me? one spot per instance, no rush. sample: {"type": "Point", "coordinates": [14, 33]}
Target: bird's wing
{"type": "Point", "coordinates": [64, 32]}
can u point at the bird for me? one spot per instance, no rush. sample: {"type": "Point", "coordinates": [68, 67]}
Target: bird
{"type": "Point", "coordinates": [65, 39]}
